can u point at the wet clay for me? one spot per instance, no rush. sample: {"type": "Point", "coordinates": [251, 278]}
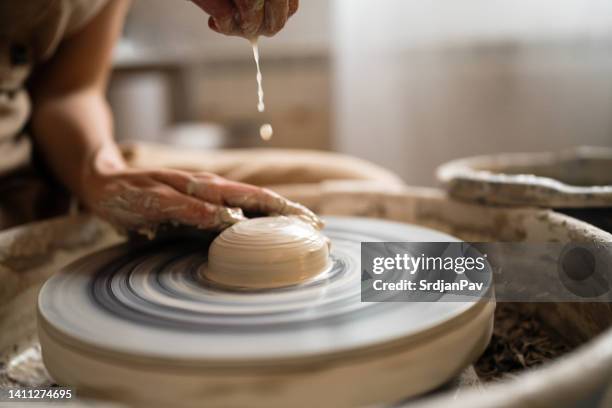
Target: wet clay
{"type": "Point", "coordinates": [267, 252]}
{"type": "Point", "coordinates": [266, 131]}
{"type": "Point", "coordinates": [261, 106]}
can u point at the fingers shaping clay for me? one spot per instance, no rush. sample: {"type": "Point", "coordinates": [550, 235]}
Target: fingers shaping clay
{"type": "Point", "coordinates": [268, 252]}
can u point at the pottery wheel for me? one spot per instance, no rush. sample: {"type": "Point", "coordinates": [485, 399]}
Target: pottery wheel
{"type": "Point", "coordinates": [133, 319]}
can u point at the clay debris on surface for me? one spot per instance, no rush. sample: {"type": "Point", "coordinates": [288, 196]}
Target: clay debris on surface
{"type": "Point", "coordinates": [520, 341]}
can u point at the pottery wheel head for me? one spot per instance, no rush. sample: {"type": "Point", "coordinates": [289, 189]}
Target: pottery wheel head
{"type": "Point", "coordinates": [132, 302]}
{"type": "Point", "coordinates": [267, 252]}
{"type": "Point", "coordinates": [148, 321]}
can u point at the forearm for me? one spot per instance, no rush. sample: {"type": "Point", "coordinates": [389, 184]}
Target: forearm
{"type": "Point", "coordinates": [74, 133]}
{"type": "Point", "coordinates": [71, 120]}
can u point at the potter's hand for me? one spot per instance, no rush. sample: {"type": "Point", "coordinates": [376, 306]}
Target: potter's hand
{"type": "Point", "coordinates": [141, 200]}
{"type": "Point", "coordinates": [248, 18]}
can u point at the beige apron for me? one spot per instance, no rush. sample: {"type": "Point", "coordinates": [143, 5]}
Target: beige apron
{"type": "Point", "coordinates": [30, 32]}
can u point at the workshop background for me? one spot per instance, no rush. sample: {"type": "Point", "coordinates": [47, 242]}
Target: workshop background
{"type": "Point", "coordinates": [404, 83]}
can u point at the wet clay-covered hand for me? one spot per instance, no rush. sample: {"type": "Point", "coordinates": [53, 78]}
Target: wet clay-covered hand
{"type": "Point", "coordinates": [141, 200]}
{"type": "Point", "coordinates": [248, 18]}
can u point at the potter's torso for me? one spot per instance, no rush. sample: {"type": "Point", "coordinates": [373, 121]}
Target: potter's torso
{"type": "Point", "coordinates": [30, 32]}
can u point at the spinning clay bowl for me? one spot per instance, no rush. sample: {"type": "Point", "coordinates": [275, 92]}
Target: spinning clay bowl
{"type": "Point", "coordinates": [269, 252]}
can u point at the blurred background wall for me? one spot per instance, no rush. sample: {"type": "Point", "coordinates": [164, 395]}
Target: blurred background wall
{"type": "Point", "coordinates": [405, 83]}
{"type": "Point", "coordinates": [177, 81]}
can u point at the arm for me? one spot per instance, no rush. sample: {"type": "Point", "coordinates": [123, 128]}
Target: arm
{"type": "Point", "coordinates": [72, 126]}
{"type": "Point", "coordinates": [71, 119]}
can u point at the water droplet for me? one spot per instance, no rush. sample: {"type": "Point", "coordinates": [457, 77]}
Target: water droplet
{"type": "Point", "coordinates": [266, 132]}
